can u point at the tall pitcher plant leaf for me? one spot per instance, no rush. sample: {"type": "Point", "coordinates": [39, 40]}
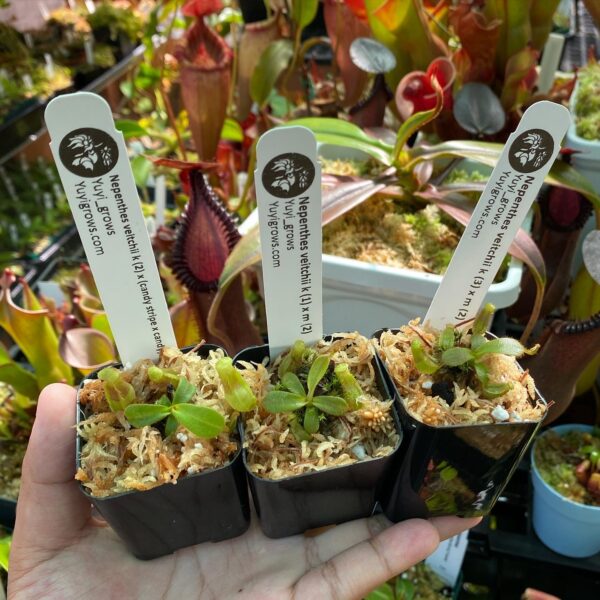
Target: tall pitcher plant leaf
{"type": "Point", "coordinates": [344, 133]}
{"type": "Point", "coordinates": [478, 35]}
{"type": "Point", "coordinates": [256, 37]}
{"type": "Point", "coordinates": [86, 349]}
{"type": "Point", "coordinates": [541, 16]}
{"type": "Point", "coordinates": [20, 379]}
{"type": "Point", "coordinates": [304, 11]}
{"type": "Point", "coordinates": [515, 28]}
{"type": "Point", "coordinates": [272, 63]}
{"type": "Point", "coordinates": [205, 76]}
{"type": "Point", "coordinates": [184, 325]}
{"type": "Point", "coordinates": [33, 332]}
{"type": "Point", "coordinates": [204, 241]}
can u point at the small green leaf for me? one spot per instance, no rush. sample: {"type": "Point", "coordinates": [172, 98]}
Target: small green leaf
{"type": "Point", "coordinates": [507, 346]}
{"type": "Point", "coordinates": [163, 401]}
{"type": "Point", "coordinates": [483, 319]}
{"type": "Point", "coordinates": [424, 363]}
{"type": "Point", "coordinates": [405, 589]}
{"type": "Point", "coordinates": [140, 415]}
{"type": "Point", "coordinates": [232, 131]}
{"type": "Point", "coordinates": [316, 373]}
{"type": "Point", "coordinates": [200, 420]}
{"type": "Point", "coordinates": [298, 431]}
{"type": "Point", "coordinates": [495, 390]}
{"type": "Point", "coordinates": [447, 338]}
{"type": "Point", "coordinates": [5, 551]}
{"type": "Point", "coordinates": [130, 129]}
{"type": "Point", "coordinates": [293, 384]}
{"type": "Point", "coordinates": [455, 357]}
{"type": "Point", "coordinates": [171, 425]}
{"type": "Point", "coordinates": [477, 341]}
{"type": "Point", "coordinates": [277, 401]}
{"type": "Point", "coordinates": [311, 419]}
{"type": "Point", "coordinates": [185, 391]}
{"type": "Point", "coordinates": [156, 375]}
{"type": "Point", "coordinates": [127, 89]}
{"type": "Point", "coordinates": [304, 11]}
{"type": "Point", "coordinates": [272, 62]}
{"type": "Point", "coordinates": [293, 359]}
{"type": "Point", "coordinates": [118, 392]}
{"type": "Point", "coordinates": [141, 168]}
{"type": "Point", "coordinates": [448, 473]}
{"type": "Point", "coordinates": [332, 405]}
{"type": "Point", "coordinates": [350, 387]}
{"type": "Point", "coordinates": [482, 372]}
{"type": "Point", "coordinates": [238, 393]}
{"type": "Point", "coordinates": [21, 380]}
{"type": "Point", "coordinates": [383, 592]}
{"type": "Point", "coordinates": [109, 374]}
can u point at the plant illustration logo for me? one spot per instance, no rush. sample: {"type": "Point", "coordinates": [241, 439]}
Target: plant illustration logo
{"type": "Point", "coordinates": [88, 152]}
{"type": "Point", "coordinates": [288, 175]}
{"type": "Point", "coordinates": [531, 151]}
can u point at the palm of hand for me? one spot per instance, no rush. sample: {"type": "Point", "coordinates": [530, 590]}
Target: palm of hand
{"type": "Point", "coordinates": [61, 551]}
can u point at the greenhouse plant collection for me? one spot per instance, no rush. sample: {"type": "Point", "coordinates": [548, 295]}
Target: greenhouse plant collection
{"type": "Point", "coordinates": [300, 299]}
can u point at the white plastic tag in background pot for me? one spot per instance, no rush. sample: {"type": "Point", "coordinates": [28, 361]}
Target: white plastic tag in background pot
{"type": "Point", "coordinates": [446, 562]}
{"type": "Point", "coordinates": [288, 192]}
{"type": "Point", "coordinates": [94, 168]}
{"type": "Point", "coordinates": [508, 195]}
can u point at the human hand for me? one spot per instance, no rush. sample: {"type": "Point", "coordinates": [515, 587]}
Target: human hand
{"type": "Point", "coordinates": [61, 551]}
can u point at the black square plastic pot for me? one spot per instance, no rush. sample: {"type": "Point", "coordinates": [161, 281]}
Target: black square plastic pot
{"type": "Point", "coordinates": [209, 506]}
{"type": "Point", "coordinates": [452, 470]}
{"type": "Point", "coordinates": [296, 504]}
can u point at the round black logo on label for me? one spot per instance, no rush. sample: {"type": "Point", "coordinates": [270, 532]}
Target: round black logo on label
{"type": "Point", "coordinates": [88, 152]}
{"type": "Point", "coordinates": [288, 175]}
{"type": "Point", "coordinates": [531, 151]}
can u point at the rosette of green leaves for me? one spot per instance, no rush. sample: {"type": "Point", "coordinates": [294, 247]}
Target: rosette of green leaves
{"type": "Point", "coordinates": [178, 410]}
{"type": "Point", "coordinates": [294, 397]}
{"type": "Point", "coordinates": [448, 354]}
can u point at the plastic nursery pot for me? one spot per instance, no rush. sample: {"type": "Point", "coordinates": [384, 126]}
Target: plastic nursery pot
{"type": "Point", "coordinates": [8, 512]}
{"type": "Point", "coordinates": [332, 496]}
{"type": "Point", "coordinates": [452, 470]}
{"type": "Point", "coordinates": [209, 506]}
{"type": "Point", "coordinates": [565, 526]}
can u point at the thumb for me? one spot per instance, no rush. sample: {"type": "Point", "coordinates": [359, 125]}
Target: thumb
{"type": "Point", "coordinates": [51, 511]}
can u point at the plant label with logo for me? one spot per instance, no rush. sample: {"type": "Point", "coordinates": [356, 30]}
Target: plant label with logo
{"type": "Point", "coordinates": [95, 172]}
{"type": "Point", "coordinates": [288, 191]}
{"type": "Point", "coordinates": [502, 207]}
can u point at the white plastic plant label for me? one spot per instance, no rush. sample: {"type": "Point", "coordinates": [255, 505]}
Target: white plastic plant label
{"type": "Point", "coordinates": [288, 191]}
{"type": "Point", "coordinates": [94, 168]}
{"type": "Point", "coordinates": [502, 207]}
{"type": "Point", "coordinates": [447, 560]}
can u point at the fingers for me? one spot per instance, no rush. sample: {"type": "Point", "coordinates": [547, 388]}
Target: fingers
{"type": "Point", "coordinates": [450, 526]}
{"type": "Point", "coordinates": [51, 510]}
{"type": "Point", "coordinates": [360, 569]}
{"type": "Point", "coordinates": [341, 537]}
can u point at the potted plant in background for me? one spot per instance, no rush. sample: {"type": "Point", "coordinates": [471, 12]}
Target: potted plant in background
{"type": "Point", "coordinates": [565, 471]}
{"type": "Point", "coordinates": [322, 435]}
{"type": "Point", "coordinates": [584, 134]}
